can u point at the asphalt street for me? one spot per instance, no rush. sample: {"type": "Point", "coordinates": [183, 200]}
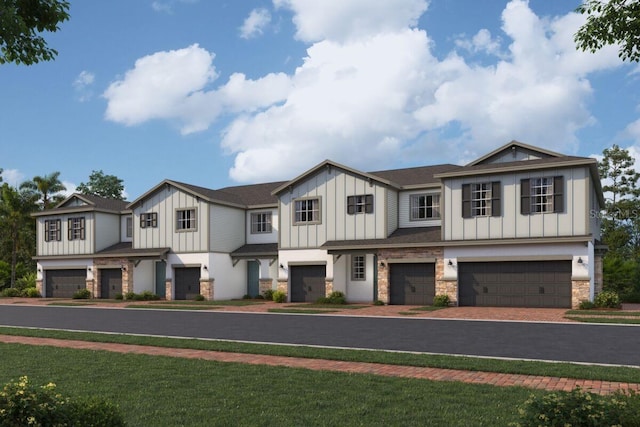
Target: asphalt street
{"type": "Point", "coordinates": [608, 344]}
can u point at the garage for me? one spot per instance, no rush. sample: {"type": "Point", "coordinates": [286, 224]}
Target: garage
{"type": "Point", "coordinates": [412, 284]}
{"type": "Point", "coordinates": [110, 282]}
{"type": "Point", "coordinates": [307, 283]}
{"type": "Point", "coordinates": [515, 284]}
{"type": "Point", "coordinates": [187, 282]}
{"type": "Point", "coordinates": [64, 283]}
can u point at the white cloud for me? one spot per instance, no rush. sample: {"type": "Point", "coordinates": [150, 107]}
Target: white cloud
{"type": "Point", "coordinates": [255, 23]}
{"type": "Point", "coordinates": [70, 188]}
{"type": "Point", "coordinates": [166, 6]}
{"type": "Point", "coordinates": [482, 41]}
{"type": "Point", "coordinates": [13, 177]}
{"type": "Point", "coordinates": [82, 85]}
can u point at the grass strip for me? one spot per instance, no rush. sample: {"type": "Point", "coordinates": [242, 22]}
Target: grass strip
{"type": "Point", "coordinates": [604, 313]}
{"type": "Point", "coordinates": [617, 320]}
{"type": "Point", "coordinates": [300, 310]}
{"type": "Point", "coordinates": [568, 370]}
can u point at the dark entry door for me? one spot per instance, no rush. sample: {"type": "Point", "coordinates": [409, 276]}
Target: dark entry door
{"type": "Point", "coordinates": [161, 277]}
{"type": "Point", "coordinates": [253, 278]}
{"type": "Point", "coordinates": [64, 283]}
{"type": "Point", "coordinates": [308, 283]}
{"type": "Point", "coordinates": [412, 284]}
{"type": "Point", "coordinates": [187, 282]}
{"type": "Point", "coordinates": [110, 282]}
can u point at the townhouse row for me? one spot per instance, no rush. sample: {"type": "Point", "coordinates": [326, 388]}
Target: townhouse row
{"type": "Point", "coordinates": [516, 227]}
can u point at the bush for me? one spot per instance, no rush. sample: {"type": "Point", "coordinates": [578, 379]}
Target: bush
{"type": "Point", "coordinates": [23, 404]}
{"type": "Point", "coordinates": [11, 293]}
{"type": "Point", "coordinates": [607, 299]}
{"type": "Point", "coordinates": [26, 281]}
{"type": "Point", "coordinates": [335, 297]}
{"type": "Point", "coordinates": [82, 294]}
{"type": "Point", "coordinates": [631, 297]}
{"type": "Point", "coordinates": [130, 296]}
{"type": "Point", "coordinates": [322, 300]}
{"type": "Point", "coordinates": [268, 294]}
{"type": "Point", "coordinates": [31, 293]}
{"type": "Point", "coordinates": [441, 300]}
{"type": "Point", "coordinates": [279, 296]}
{"type": "Point", "coordinates": [119, 296]}
{"type": "Point", "coordinates": [246, 296]}
{"type": "Point", "coordinates": [580, 408]}
{"type": "Point", "coordinates": [585, 304]}
{"type": "Point", "coordinates": [259, 296]}
{"type": "Point", "coordinates": [378, 302]}
{"type": "Point", "coordinates": [200, 297]}
{"type": "Point", "coordinates": [149, 296]}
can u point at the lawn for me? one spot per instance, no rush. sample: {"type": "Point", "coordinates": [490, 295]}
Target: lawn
{"type": "Point", "coordinates": [159, 391]}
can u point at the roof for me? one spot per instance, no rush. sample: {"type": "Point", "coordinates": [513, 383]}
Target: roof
{"type": "Point", "coordinates": [512, 144]}
{"type": "Point", "coordinates": [92, 203]}
{"type": "Point", "coordinates": [119, 250]}
{"type": "Point", "coordinates": [489, 168]}
{"type": "Point", "coordinates": [256, 194]}
{"type": "Point", "coordinates": [256, 250]}
{"type": "Point", "coordinates": [423, 175]}
{"type": "Point", "coordinates": [418, 236]}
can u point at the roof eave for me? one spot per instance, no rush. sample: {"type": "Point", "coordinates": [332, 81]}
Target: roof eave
{"type": "Point", "coordinates": [517, 168]}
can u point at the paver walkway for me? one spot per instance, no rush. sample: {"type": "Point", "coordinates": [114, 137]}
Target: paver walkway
{"type": "Point", "coordinates": [434, 374]}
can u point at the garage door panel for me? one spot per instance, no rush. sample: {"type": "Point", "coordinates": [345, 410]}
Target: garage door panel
{"type": "Point", "coordinates": [110, 282]}
{"type": "Point", "coordinates": [187, 283]}
{"type": "Point", "coordinates": [308, 283]}
{"type": "Point", "coordinates": [64, 283]}
{"type": "Point", "coordinates": [412, 284]}
{"type": "Point", "coordinates": [516, 284]}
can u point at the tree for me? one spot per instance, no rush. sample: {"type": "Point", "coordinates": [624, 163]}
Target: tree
{"type": "Point", "coordinates": [22, 22]}
{"type": "Point", "coordinates": [108, 186]}
{"type": "Point", "coordinates": [47, 186]}
{"type": "Point", "coordinates": [611, 22]}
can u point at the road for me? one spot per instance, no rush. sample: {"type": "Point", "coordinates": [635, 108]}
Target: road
{"type": "Point", "coordinates": [608, 344]}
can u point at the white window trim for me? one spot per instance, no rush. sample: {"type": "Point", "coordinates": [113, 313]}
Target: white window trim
{"type": "Point", "coordinates": [413, 207]}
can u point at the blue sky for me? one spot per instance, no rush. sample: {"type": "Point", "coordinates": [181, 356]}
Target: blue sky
{"type": "Point", "coordinates": [218, 93]}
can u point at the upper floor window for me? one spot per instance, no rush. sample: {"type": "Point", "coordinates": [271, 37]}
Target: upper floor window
{"type": "Point", "coordinates": [542, 195]}
{"type": "Point", "coordinates": [52, 230]}
{"type": "Point", "coordinates": [360, 204]}
{"type": "Point", "coordinates": [307, 211]}
{"type": "Point", "coordinates": [358, 267]}
{"type": "Point", "coordinates": [425, 206]}
{"type": "Point", "coordinates": [76, 228]}
{"type": "Point", "coordinates": [186, 219]}
{"type": "Point", "coordinates": [149, 220]}
{"type": "Point", "coordinates": [129, 225]}
{"type": "Point", "coordinates": [481, 199]}
{"type": "Point", "coordinates": [261, 222]}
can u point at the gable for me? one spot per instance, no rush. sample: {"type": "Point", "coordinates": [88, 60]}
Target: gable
{"type": "Point", "coordinates": [514, 151]}
{"type": "Point", "coordinates": [72, 202]}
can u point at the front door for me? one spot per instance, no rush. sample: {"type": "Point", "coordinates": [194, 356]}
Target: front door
{"type": "Point", "coordinates": [253, 278]}
{"type": "Point", "coordinates": [161, 277]}
{"type": "Point", "coordinates": [110, 282]}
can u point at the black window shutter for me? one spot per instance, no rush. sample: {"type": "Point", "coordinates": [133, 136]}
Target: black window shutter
{"type": "Point", "coordinates": [525, 197]}
{"type": "Point", "coordinates": [81, 228]}
{"type": "Point", "coordinates": [69, 229]}
{"type": "Point", "coordinates": [558, 194]}
{"type": "Point", "coordinates": [351, 205]}
{"type": "Point", "coordinates": [46, 230]}
{"type": "Point", "coordinates": [466, 200]}
{"type": "Point", "coordinates": [496, 195]}
{"type": "Point", "coordinates": [368, 201]}
{"type": "Point", "coordinates": [58, 230]}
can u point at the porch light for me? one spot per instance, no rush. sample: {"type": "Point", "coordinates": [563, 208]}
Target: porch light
{"type": "Point", "coordinates": [579, 260]}
{"type": "Point", "coordinates": [123, 268]}
{"type": "Point", "coordinates": [450, 262]}
{"type": "Point", "coordinates": [382, 264]}
{"type": "Point", "coordinates": [204, 267]}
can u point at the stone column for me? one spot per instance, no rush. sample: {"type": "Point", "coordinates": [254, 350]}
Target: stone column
{"type": "Point", "coordinates": [206, 288]}
{"type": "Point", "coordinates": [328, 286]}
{"type": "Point", "coordinates": [127, 278]}
{"type": "Point", "coordinates": [283, 284]}
{"type": "Point", "coordinates": [579, 292]}
{"type": "Point", "coordinates": [40, 286]}
{"type": "Point", "coordinates": [265, 284]}
{"type": "Point", "coordinates": [383, 281]}
{"type": "Point", "coordinates": [168, 285]}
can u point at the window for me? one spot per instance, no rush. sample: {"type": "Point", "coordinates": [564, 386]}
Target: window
{"type": "Point", "coordinates": [481, 199]}
{"type": "Point", "coordinates": [186, 219]}
{"type": "Point", "coordinates": [307, 211]}
{"type": "Point", "coordinates": [358, 267]}
{"type": "Point", "coordinates": [129, 227]}
{"type": "Point", "coordinates": [261, 222]}
{"type": "Point", "coordinates": [52, 230]}
{"type": "Point", "coordinates": [360, 204]}
{"type": "Point", "coordinates": [542, 195]}
{"type": "Point", "coordinates": [76, 228]}
{"type": "Point", "coordinates": [425, 206]}
{"type": "Point", "coordinates": [149, 220]}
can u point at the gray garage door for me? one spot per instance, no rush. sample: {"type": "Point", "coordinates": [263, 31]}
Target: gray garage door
{"type": "Point", "coordinates": [187, 282]}
{"type": "Point", "coordinates": [515, 284]}
{"type": "Point", "coordinates": [307, 283]}
{"type": "Point", "coordinates": [64, 283]}
{"type": "Point", "coordinates": [110, 282]}
{"type": "Point", "coordinates": [412, 284]}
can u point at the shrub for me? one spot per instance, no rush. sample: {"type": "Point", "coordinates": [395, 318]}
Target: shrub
{"type": "Point", "coordinates": [607, 299]}
{"type": "Point", "coordinates": [246, 296]}
{"type": "Point", "coordinates": [119, 296]}
{"type": "Point", "coordinates": [24, 404]}
{"type": "Point", "coordinates": [82, 294]}
{"type": "Point", "coordinates": [585, 304]}
{"type": "Point", "coordinates": [580, 408]}
{"type": "Point", "coordinates": [378, 302]}
{"type": "Point", "coordinates": [11, 293]}
{"type": "Point", "coordinates": [129, 296]}
{"type": "Point", "coordinates": [322, 300]}
{"type": "Point", "coordinates": [31, 293]}
{"type": "Point", "coordinates": [259, 297]}
{"type": "Point", "coordinates": [149, 296]}
{"type": "Point", "coordinates": [279, 296]}
{"type": "Point", "coordinates": [441, 300]}
{"type": "Point", "coordinates": [26, 281]}
{"type": "Point", "coordinates": [268, 294]}
{"type": "Point", "coordinates": [631, 297]}
{"type": "Point", "coordinates": [200, 297]}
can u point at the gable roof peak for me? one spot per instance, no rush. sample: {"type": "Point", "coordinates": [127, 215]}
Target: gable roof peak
{"type": "Point", "coordinates": [514, 145]}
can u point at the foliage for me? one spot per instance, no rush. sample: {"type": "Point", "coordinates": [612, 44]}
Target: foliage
{"type": "Point", "coordinates": [279, 296]}
{"type": "Point", "coordinates": [26, 281]}
{"type": "Point", "coordinates": [82, 294]}
{"type": "Point", "coordinates": [11, 293]}
{"type": "Point", "coordinates": [585, 304]}
{"type": "Point", "coordinates": [31, 293]}
{"type": "Point", "coordinates": [21, 23]}
{"type": "Point", "coordinates": [119, 296]}
{"type": "Point", "coordinates": [611, 22]}
{"type": "Point", "coordinates": [23, 404]}
{"type": "Point", "coordinates": [246, 296]}
{"type": "Point", "coordinates": [336, 297]}
{"type": "Point", "coordinates": [580, 408]}
{"type": "Point", "coordinates": [99, 184]}
{"type": "Point", "coordinates": [268, 294]}
{"type": "Point", "coordinates": [47, 187]}
{"type": "Point", "coordinates": [200, 297]}
{"type": "Point", "coordinates": [620, 275]}
{"type": "Point", "coordinates": [441, 300]}
{"type": "Point", "coordinates": [378, 302]}
{"type": "Point", "coordinates": [144, 296]}
{"type": "Point", "coordinates": [607, 299]}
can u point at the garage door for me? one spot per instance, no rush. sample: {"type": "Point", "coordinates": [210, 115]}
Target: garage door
{"type": "Point", "coordinates": [110, 282]}
{"type": "Point", "coordinates": [187, 283]}
{"type": "Point", "coordinates": [515, 284]}
{"type": "Point", "coordinates": [412, 284]}
{"type": "Point", "coordinates": [307, 283]}
{"type": "Point", "coordinates": [64, 283]}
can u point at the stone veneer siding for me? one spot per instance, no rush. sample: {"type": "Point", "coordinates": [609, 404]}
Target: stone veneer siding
{"type": "Point", "coordinates": [442, 286]}
{"type": "Point", "coordinates": [168, 286]}
{"type": "Point", "coordinates": [264, 285]}
{"type": "Point", "coordinates": [126, 267]}
{"type": "Point", "coordinates": [328, 286]}
{"type": "Point", "coordinates": [579, 292]}
{"type": "Point", "coordinates": [207, 289]}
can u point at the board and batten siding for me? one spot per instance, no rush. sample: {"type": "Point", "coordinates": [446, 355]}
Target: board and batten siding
{"type": "Point", "coordinates": [573, 221]}
{"type": "Point", "coordinates": [227, 227]}
{"type": "Point", "coordinates": [166, 202]}
{"type": "Point", "coordinates": [392, 211]}
{"type": "Point", "coordinates": [404, 209]}
{"type": "Point", "coordinates": [65, 246]}
{"type": "Point", "coordinates": [107, 230]}
{"type": "Point", "coordinates": [332, 186]}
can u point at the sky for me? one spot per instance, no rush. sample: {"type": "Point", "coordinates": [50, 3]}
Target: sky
{"type": "Point", "coordinates": [220, 93]}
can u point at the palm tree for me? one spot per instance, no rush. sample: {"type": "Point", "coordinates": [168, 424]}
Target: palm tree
{"type": "Point", "coordinates": [47, 186]}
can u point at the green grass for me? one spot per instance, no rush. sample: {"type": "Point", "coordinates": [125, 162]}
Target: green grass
{"type": "Point", "coordinates": [568, 370]}
{"type": "Point", "coordinates": [300, 310]}
{"type": "Point", "coordinates": [165, 391]}
{"type": "Point", "coordinates": [604, 313]}
{"type": "Point", "coordinates": [617, 320]}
